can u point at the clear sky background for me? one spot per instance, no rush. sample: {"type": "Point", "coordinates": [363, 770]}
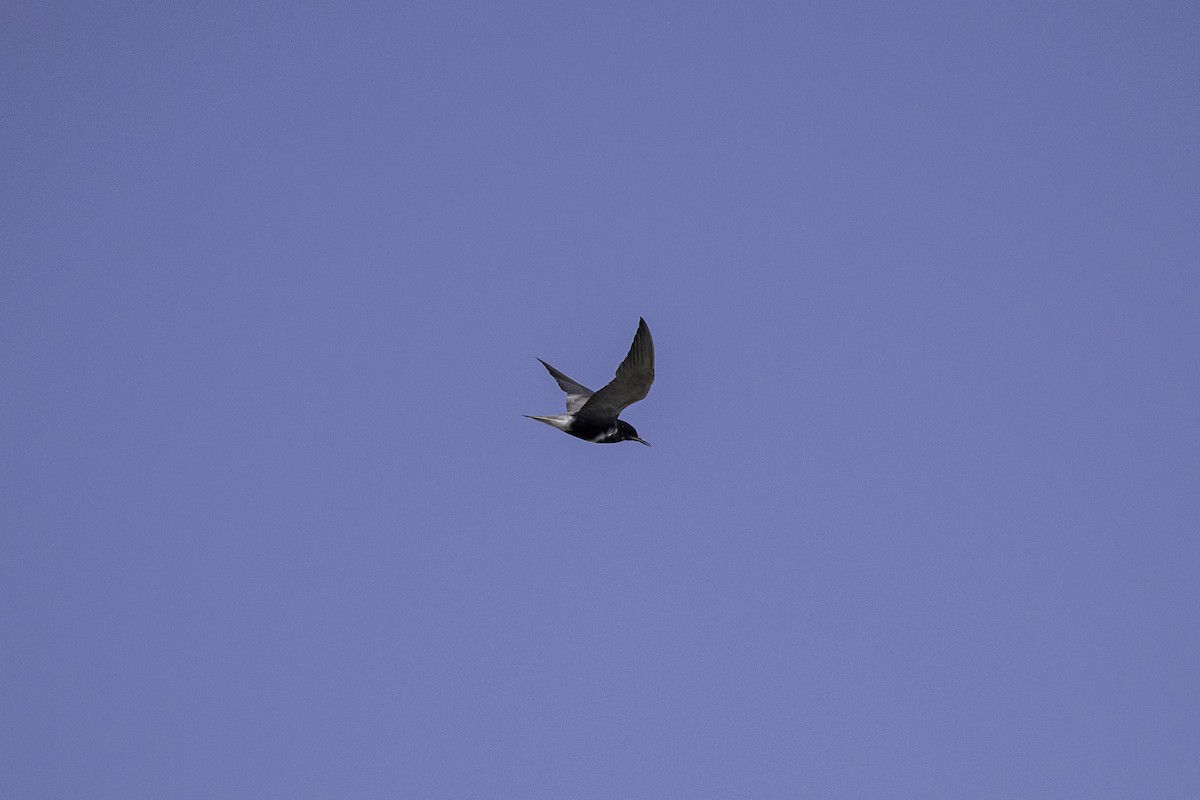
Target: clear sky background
{"type": "Point", "coordinates": [922, 513]}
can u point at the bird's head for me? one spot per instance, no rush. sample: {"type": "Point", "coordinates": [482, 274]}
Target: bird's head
{"type": "Point", "coordinates": [628, 433]}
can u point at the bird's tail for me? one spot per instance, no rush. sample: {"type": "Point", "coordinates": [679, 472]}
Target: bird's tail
{"type": "Point", "coordinates": [559, 421]}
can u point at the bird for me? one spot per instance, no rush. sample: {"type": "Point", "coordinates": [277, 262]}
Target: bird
{"type": "Point", "coordinates": [592, 416]}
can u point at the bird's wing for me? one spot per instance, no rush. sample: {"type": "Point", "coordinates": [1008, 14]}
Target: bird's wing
{"type": "Point", "coordinates": [632, 383]}
{"type": "Point", "coordinates": [577, 393]}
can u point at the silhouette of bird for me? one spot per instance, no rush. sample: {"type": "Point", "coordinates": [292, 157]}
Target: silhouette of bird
{"type": "Point", "coordinates": [592, 416]}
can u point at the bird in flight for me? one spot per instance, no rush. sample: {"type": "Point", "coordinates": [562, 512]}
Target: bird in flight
{"type": "Point", "coordinates": [592, 416]}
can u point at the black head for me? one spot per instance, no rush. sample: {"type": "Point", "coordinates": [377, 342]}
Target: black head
{"type": "Point", "coordinates": [628, 434]}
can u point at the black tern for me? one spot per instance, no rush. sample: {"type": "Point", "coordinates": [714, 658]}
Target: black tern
{"type": "Point", "coordinates": [592, 416]}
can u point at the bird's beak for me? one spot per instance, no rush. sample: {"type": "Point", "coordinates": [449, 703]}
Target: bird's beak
{"type": "Point", "coordinates": [642, 441]}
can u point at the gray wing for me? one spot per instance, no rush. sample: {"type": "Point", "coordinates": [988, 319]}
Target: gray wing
{"type": "Point", "coordinates": [631, 384]}
{"type": "Point", "coordinates": [577, 393]}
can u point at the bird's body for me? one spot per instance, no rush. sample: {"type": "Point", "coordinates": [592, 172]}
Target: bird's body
{"type": "Point", "coordinates": [592, 416]}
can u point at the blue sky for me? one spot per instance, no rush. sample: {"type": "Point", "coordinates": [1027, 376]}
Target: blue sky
{"type": "Point", "coordinates": [920, 515]}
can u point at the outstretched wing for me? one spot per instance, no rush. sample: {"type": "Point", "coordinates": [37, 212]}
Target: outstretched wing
{"type": "Point", "coordinates": [577, 393]}
{"type": "Point", "coordinates": [631, 384]}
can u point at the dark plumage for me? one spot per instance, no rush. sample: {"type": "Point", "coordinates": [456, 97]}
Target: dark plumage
{"type": "Point", "coordinates": [593, 415]}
